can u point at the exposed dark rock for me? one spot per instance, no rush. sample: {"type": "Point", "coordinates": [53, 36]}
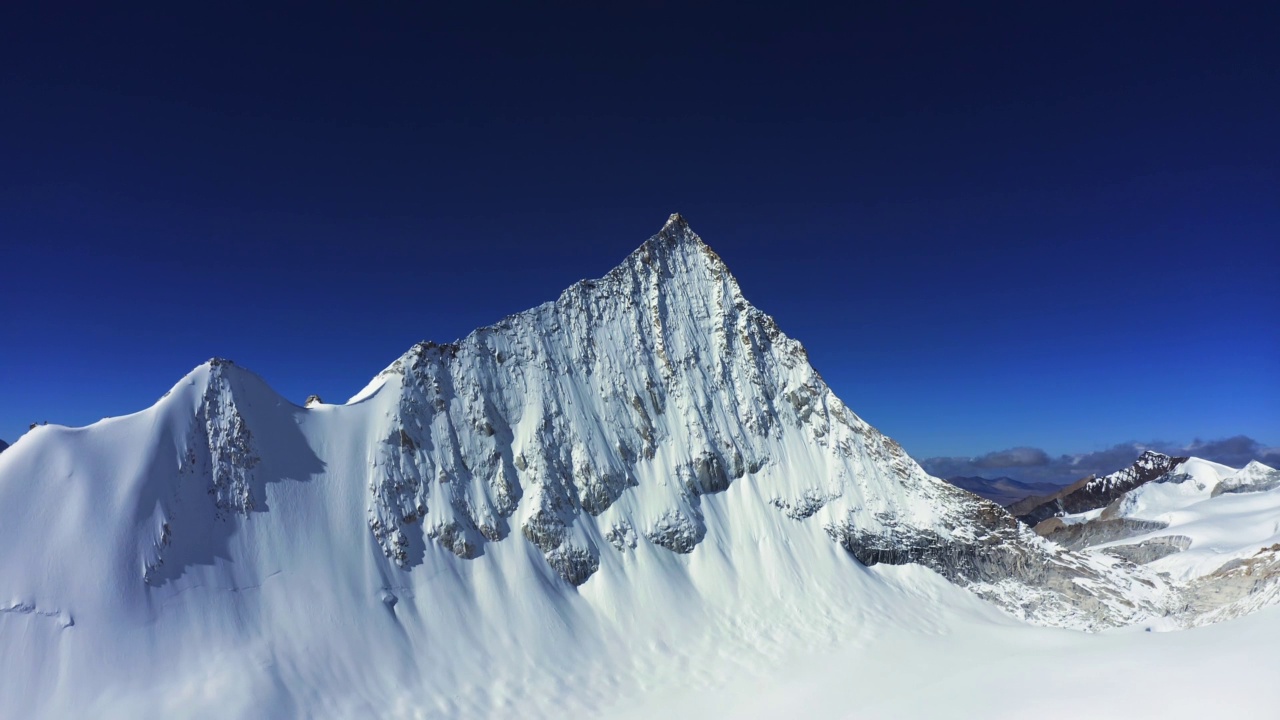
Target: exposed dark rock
{"type": "Point", "coordinates": [230, 444]}
{"type": "Point", "coordinates": [544, 530]}
{"type": "Point", "coordinates": [1002, 551]}
{"type": "Point", "coordinates": [573, 563]}
{"type": "Point", "coordinates": [1150, 550]}
{"type": "Point", "coordinates": [676, 532]}
{"type": "Point", "coordinates": [454, 536]}
{"type": "Point", "coordinates": [1077, 536]}
{"type": "Point", "coordinates": [986, 556]}
{"type": "Point", "coordinates": [622, 536]}
{"type": "Point", "coordinates": [804, 506]}
{"type": "Point", "coordinates": [600, 489]}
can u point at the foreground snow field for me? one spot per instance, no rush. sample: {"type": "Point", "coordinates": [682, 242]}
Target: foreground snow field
{"type": "Point", "coordinates": [973, 669]}
{"type": "Point", "coordinates": [637, 499]}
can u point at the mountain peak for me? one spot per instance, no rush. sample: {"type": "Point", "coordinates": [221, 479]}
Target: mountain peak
{"type": "Point", "coordinates": [676, 231]}
{"type": "Point", "coordinates": [1093, 493]}
{"type": "Point", "coordinates": [673, 255]}
{"type": "Point", "coordinates": [676, 221]}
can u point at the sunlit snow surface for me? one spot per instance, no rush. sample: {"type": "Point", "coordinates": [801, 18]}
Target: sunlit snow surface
{"type": "Point", "coordinates": [977, 669]}
{"type": "Point", "coordinates": [226, 553]}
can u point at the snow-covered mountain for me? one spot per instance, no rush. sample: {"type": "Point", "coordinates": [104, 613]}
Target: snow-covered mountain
{"type": "Point", "coordinates": [1092, 493]}
{"type": "Point", "coordinates": [1213, 530]}
{"type": "Point", "coordinates": [635, 486]}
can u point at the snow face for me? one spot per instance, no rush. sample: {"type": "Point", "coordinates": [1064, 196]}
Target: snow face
{"type": "Point", "coordinates": [640, 485]}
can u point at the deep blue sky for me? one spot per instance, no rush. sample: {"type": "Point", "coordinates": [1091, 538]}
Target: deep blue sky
{"type": "Point", "coordinates": [1041, 224]}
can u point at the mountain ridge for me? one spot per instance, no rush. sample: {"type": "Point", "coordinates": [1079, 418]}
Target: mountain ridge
{"type": "Point", "coordinates": [1092, 492]}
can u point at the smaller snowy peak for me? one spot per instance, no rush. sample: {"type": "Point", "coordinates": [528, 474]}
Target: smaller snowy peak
{"type": "Point", "coordinates": [1093, 493]}
{"type": "Point", "coordinates": [677, 240]}
{"type": "Point", "coordinates": [676, 229]}
{"type": "Point", "coordinates": [224, 423]}
{"type": "Point", "coordinates": [3, 446]}
{"type": "Point", "coordinates": [1149, 466]}
{"type": "Point", "coordinates": [221, 425]}
{"type": "Point", "coordinates": [226, 377]}
{"type": "Point", "coordinates": [1254, 477]}
{"type": "Point", "coordinates": [224, 406]}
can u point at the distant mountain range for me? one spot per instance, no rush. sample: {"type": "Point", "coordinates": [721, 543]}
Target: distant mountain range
{"type": "Point", "coordinates": [1092, 493]}
{"type": "Point", "coordinates": [1003, 490]}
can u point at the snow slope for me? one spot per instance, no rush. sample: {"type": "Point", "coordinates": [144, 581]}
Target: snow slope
{"type": "Point", "coordinates": [639, 487]}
